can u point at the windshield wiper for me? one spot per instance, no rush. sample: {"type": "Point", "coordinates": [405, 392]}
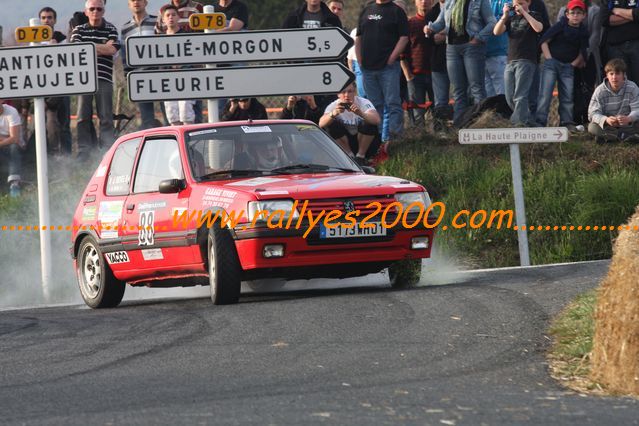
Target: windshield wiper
{"type": "Point", "coordinates": [233, 173]}
{"type": "Point", "coordinates": [310, 166]}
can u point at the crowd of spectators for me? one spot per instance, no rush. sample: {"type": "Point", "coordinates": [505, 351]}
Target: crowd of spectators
{"type": "Point", "coordinates": [472, 49]}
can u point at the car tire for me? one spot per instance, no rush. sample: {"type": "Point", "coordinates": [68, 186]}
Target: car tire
{"type": "Point", "coordinates": [266, 285]}
{"type": "Point", "coordinates": [405, 273]}
{"type": "Point", "coordinates": [224, 267]}
{"type": "Point", "coordinates": [98, 286]}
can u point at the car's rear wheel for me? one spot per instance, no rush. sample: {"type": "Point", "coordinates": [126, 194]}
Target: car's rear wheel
{"type": "Point", "coordinates": [405, 273]}
{"type": "Point", "coordinates": [98, 286]}
{"type": "Point", "coordinates": [224, 267]}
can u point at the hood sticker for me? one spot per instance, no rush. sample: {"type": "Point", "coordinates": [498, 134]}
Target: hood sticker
{"type": "Point", "coordinates": [255, 181]}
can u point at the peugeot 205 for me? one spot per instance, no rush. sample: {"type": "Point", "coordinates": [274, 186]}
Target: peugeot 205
{"type": "Point", "coordinates": [217, 204]}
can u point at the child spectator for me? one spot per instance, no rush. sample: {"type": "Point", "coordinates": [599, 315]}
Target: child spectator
{"type": "Point", "coordinates": [564, 46]}
{"type": "Point", "coordinates": [522, 29]}
{"type": "Point", "coordinates": [614, 107]}
{"type": "Point", "coordinates": [243, 109]}
{"type": "Point", "coordinates": [301, 107]}
{"type": "Point", "coordinates": [177, 112]}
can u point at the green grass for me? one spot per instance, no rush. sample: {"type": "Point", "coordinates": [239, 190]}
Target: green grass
{"type": "Point", "coordinates": [577, 183]}
{"type": "Point", "coordinates": [573, 331]}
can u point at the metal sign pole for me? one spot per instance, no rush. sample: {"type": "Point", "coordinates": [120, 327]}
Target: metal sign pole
{"type": "Point", "coordinates": [212, 104]}
{"type": "Point", "coordinates": [43, 188]}
{"type": "Point", "coordinates": [520, 208]}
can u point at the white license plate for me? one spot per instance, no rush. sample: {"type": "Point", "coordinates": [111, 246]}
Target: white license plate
{"type": "Point", "coordinates": [370, 229]}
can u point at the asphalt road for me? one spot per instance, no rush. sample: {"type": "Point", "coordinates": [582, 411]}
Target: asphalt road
{"type": "Point", "coordinates": [466, 353]}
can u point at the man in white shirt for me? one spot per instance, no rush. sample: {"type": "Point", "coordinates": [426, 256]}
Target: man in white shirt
{"type": "Point", "coordinates": [10, 143]}
{"type": "Point", "coordinates": [353, 123]}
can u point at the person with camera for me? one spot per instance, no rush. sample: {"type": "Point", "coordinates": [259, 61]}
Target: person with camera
{"type": "Point", "coordinates": [302, 107]}
{"type": "Point", "coordinates": [243, 109]}
{"type": "Point", "coordinates": [522, 26]}
{"type": "Point", "coordinates": [353, 123]}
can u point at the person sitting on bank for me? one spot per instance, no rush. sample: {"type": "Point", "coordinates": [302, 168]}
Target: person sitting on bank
{"type": "Point", "coordinates": [614, 107]}
{"type": "Point", "coordinates": [353, 123]}
{"type": "Point", "coordinates": [243, 109]}
{"type": "Point", "coordinates": [302, 107]}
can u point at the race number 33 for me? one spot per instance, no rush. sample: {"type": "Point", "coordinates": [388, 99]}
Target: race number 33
{"type": "Point", "coordinates": [146, 230]}
{"type": "Point", "coordinates": [36, 34]}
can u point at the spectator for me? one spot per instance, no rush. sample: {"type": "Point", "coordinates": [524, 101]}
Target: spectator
{"type": "Point", "coordinates": [78, 18]}
{"type": "Point", "coordinates": [540, 7]}
{"type": "Point", "coordinates": [10, 143]}
{"type": "Point", "coordinates": [382, 35]}
{"type": "Point", "coordinates": [468, 29]}
{"type": "Point", "coordinates": [244, 109]}
{"type": "Point", "coordinates": [564, 46]}
{"type": "Point", "coordinates": [353, 123]}
{"type": "Point", "coordinates": [415, 62]}
{"type": "Point", "coordinates": [236, 12]}
{"type": "Point", "coordinates": [620, 19]}
{"type": "Point", "coordinates": [58, 109]}
{"type": "Point", "coordinates": [312, 14]}
{"type": "Point", "coordinates": [522, 30]}
{"type": "Point", "coordinates": [141, 24]}
{"type": "Point", "coordinates": [337, 7]}
{"type": "Point", "coordinates": [185, 8]}
{"type": "Point", "coordinates": [301, 107]}
{"type": "Point", "coordinates": [441, 84]}
{"type": "Point", "coordinates": [354, 66]}
{"type": "Point", "coordinates": [105, 37]}
{"type": "Point", "coordinates": [177, 112]}
{"type": "Point", "coordinates": [496, 56]}
{"type": "Point", "coordinates": [614, 106]}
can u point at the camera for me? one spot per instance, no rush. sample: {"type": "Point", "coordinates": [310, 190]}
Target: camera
{"type": "Point", "coordinates": [509, 6]}
{"type": "Point", "coordinates": [346, 105]}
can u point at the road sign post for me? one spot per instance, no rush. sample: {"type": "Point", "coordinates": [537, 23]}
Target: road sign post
{"type": "Point", "coordinates": [514, 137]}
{"type": "Point", "coordinates": [212, 104]}
{"type": "Point", "coordinates": [38, 72]}
{"type": "Point", "coordinates": [268, 80]}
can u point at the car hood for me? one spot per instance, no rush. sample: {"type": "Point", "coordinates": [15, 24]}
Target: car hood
{"type": "Point", "coordinates": [322, 185]}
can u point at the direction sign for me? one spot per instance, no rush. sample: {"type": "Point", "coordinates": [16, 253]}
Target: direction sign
{"type": "Point", "coordinates": [53, 70]}
{"type": "Point", "coordinates": [36, 34]}
{"type": "Point", "coordinates": [207, 21]}
{"type": "Point", "coordinates": [239, 46]}
{"type": "Point", "coordinates": [206, 83]}
{"type": "Point", "coordinates": [514, 135]}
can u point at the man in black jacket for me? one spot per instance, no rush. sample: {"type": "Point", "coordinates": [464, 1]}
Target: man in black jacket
{"type": "Point", "coordinates": [312, 14]}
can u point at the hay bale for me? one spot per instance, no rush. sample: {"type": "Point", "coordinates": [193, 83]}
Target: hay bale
{"type": "Point", "coordinates": [615, 354]}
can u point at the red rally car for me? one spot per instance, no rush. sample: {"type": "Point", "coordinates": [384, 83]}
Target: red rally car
{"type": "Point", "coordinates": [216, 204]}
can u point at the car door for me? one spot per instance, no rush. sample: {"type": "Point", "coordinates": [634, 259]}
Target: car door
{"type": "Point", "coordinates": [151, 239]}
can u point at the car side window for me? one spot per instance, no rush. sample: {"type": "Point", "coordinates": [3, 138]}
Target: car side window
{"type": "Point", "coordinates": [160, 160]}
{"type": "Point", "coordinates": [119, 176]}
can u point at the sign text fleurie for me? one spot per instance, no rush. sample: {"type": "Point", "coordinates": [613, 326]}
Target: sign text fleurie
{"type": "Point", "coordinates": [53, 70]}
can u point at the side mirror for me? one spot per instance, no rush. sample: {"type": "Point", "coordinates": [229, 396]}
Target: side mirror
{"type": "Point", "coordinates": [368, 170]}
{"type": "Point", "coordinates": [171, 186]}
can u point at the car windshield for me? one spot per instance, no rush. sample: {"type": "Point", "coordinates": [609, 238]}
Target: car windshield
{"type": "Point", "coordinates": [256, 150]}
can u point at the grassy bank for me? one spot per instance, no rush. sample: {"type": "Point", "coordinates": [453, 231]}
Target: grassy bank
{"type": "Point", "coordinates": [573, 331]}
{"type": "Point", "coordinates": [578, 183]}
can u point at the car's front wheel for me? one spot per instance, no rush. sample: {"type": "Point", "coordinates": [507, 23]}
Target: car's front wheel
{"type": "Point", "coordinates": [405, 273]}
{"type": "Point", "coordinates": [98, 286]}
{"type": "Point", "coordinates": [224, 267]}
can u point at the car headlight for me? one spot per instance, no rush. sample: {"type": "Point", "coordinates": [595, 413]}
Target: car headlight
{"type": "Point", "coordinates": [408, 198]}
{"type": "Point", "coordinates": [265, 208]}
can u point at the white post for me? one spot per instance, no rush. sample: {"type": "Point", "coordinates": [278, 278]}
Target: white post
{"type": "Point", "coordinates": [212, 104]}
{"type": "Point", "coordinates": [520, 209]}
{"type": "Point", "coordinates": [43, 188]}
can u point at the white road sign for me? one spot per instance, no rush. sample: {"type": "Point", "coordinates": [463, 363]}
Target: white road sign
{"type": "Point", "coordinates": [514, 135]}
{"type": "Point", "coordinates": [206, 83]}
{"type": "Point", "coordinates": [53, 70]}
{"type": "Point", "coordinates": [241, 46]}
